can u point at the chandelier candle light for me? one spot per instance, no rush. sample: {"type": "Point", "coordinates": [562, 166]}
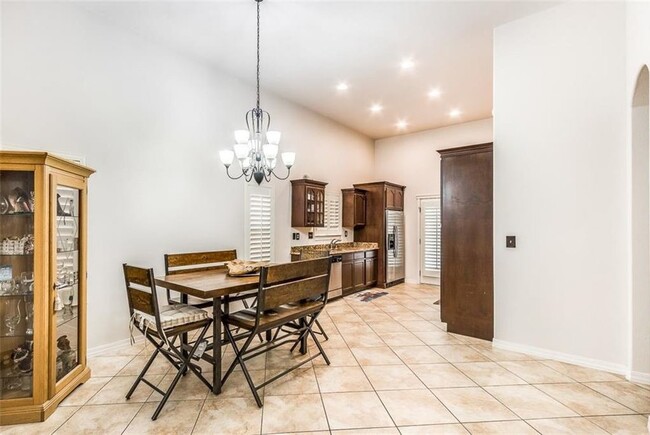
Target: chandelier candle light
{"type": "Point", "coordinates": [257, 147]}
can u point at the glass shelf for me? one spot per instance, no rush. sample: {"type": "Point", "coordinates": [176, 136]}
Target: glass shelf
{"type": "Point", "coordinates": [17, 255]}
{"type": "Point", "coordinates": [18, 214]}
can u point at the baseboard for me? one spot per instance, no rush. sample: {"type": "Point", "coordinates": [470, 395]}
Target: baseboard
{"type": "Point", "coordinates": [111, 347]}
{"type": "Point", "coordinates": [559, 356]}
{"type": "Point", "coordinates": [639, 378]}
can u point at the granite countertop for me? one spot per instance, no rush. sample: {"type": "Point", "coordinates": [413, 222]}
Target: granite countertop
{"type": "Point", "coordinates": [317, 251]}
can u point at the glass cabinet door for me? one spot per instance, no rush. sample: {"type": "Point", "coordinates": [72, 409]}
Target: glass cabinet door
{"type": "Point", "coordinates": [65, 274]}
{"type": "Point", "coordinates": [16, 283]}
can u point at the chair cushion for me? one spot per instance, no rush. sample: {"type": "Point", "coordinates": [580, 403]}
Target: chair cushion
{"type": "Point", "coordinates": [172, 315]}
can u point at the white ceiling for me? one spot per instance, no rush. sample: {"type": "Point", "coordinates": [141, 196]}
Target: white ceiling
{"type": "Point", "coordinates": [310, 46]}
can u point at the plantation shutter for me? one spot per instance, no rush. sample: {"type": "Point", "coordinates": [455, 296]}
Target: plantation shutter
{"type": "Point", "coordinates": [431, 233]}
{"type": "Point", "coordinates": [259, 224]}
{"type": "Point", "coordinates": [332, 223]}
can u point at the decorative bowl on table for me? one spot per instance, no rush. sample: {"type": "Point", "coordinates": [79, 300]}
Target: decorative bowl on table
{"type": "Point", "coordinates": [244, 267]}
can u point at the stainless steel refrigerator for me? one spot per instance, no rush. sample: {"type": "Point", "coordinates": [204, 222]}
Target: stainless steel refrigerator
{"type": "Point", "coordinates": [394, 246]}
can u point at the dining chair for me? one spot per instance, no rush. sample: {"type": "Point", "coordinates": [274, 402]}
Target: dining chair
{"type": "Point", "coordinates": [162, 326]}
{"type": "Point", "coordinates": [290, 293]}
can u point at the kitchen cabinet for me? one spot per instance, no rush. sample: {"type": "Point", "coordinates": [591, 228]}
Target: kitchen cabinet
{"type": "Point", "coordinates": [394, 197]}
{"type": "Point", "coordinates": [382, 197]}
{"type": "Point", "coordinates": [354, 207]}
{"type": "Point", "coordinates": [43, 201]}
{"type": "Point", "coordinates": [359, 271]}
{"type": "Point", "coordinates": [307, 203]}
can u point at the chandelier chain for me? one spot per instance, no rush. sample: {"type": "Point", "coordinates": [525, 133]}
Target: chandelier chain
{"type": "Point", "coordinates": [258, 54]}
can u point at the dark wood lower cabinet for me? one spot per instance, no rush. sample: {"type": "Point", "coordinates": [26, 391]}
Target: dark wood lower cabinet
{"type": "Point", "coordinates": [359, 271]}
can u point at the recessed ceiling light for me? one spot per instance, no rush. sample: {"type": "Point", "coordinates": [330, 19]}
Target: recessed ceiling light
{"type": "Point", "coordinates": [407, 63]}
{"type": "Point", "coordinates": [376, 108]}
{"type": "Point", "coordinates": [342, 86]}
{"type": "Point", "coordinates": [401, 124]}
{"type": "Point", "coordinates": [455, 113]}
{"type": "Point", "coordinates": [434, 93]}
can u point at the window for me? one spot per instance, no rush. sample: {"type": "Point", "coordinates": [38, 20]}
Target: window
{"type": "Point", "coordinates": [332, 227]}
{"type": "Point", "coordinates": [430, 224]}
{"type": "Point", "coordinates": [259, 223]}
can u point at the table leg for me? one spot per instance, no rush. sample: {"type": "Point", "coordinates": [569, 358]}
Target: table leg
{"type": "Point", "coordinates": [216, 345]}
{"type": "Point", "coordinates": [303, 342]}
{"type": "Point", "coordinates": [184, 337]}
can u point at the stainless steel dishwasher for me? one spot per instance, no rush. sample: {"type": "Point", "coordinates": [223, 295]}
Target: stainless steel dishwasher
{"type": "Point", "coordinates": [335, 288]}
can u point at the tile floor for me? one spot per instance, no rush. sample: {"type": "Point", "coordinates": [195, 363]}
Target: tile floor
{"type": "Point", "coordinates": [394, 370]}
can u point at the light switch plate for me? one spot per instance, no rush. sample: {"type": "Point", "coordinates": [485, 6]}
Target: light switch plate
{"type": "Point", "coordinates": [511, 241]}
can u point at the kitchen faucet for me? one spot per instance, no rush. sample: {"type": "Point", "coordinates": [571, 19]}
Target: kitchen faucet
{"type": "Point", "coordinates": [333, 243]}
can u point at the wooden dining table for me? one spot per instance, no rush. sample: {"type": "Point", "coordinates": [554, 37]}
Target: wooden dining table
{"type": "Point", "coordinates": [215, 285]}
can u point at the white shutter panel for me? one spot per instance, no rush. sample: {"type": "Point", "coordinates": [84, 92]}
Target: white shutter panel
{"type": "Point", "coordinates": [259, 224]}
{"type": "Point", "coordinates": [332, 223]}
{"type": "Point", "coordinates": [431, 240]}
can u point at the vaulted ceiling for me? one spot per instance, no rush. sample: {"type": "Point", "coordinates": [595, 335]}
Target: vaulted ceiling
{"type": "Point", "coordinates": [310, 47]}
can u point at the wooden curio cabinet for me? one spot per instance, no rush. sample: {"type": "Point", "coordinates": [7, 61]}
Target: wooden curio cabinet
{"type": "Point", "coordinates": [307, 203]}
{"type": "Point", "coordinates": [42, 283]}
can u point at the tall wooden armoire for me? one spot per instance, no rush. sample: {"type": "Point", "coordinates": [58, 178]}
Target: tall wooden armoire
{"type": "Point", "coordinates": [467, 277]}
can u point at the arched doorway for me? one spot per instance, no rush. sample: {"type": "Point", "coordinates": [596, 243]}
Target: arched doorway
{"type": "Point", "coordinates": [640, 300]}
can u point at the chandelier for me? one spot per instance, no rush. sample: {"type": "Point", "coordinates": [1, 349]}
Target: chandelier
{"type": "Point", "coordinates": [257, 147]}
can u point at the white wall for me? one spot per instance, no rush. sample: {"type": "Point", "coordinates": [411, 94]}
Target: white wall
{"type": "Point", "coordinates": [638, 55]}
{"type": "Point", "coordinates": [151, 123]}
{"type": "Point", "coordinates": [561, 184]}
{"type": "Point", "coordinates": [412, 160]}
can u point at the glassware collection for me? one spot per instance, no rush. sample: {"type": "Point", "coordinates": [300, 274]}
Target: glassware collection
{"type": "Point", "coordinates": [17, 204]}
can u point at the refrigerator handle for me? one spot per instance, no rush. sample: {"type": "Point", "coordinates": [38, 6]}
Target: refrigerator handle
{"type": "Point", "coordinates": [396, 241]}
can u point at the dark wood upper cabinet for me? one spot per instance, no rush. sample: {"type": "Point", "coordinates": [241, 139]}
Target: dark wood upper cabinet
{"type": "Point", "coordinates": [394, 197]}
{"type": "Point", "coordinates": [467, 283]}
{"type": "Point", "coordinates": [354, 207]}
{"type": "Point", "coordinates": [307, 203]}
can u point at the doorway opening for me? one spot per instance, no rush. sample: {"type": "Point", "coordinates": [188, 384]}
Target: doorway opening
{"type": "Point", "coordinates": [640, 298]}
{"type": "Point", "coordinates": [429, 239]}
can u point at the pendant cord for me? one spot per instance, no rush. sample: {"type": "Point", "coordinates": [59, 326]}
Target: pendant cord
{"type": "Point", "coordinates": [258, 53]}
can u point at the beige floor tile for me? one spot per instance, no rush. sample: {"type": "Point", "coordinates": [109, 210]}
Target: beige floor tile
{"type": "Point", "coordinates": [582, 374]}
{"type": "Point", "coordinates": [459, 353]}
{"type": "Point", "coordinates": [293, 413]}
{"type": "Point", "coordinates": [299, 381]}
{"type": "Point", "coordinates": [473, 405]}
{"type": "Point", "coordinates": [413, 407]}
{"type": "Point", "coordinates": [443, 375]}
{"type": "Point", "coordinates": [418, 355]}
{"type": "Point", "coordinates": [623, 424]}
{"type": "Point", "coordinates": [573, 426]}
{"type": "Point", "coordinates": [368, 356]}
{"type": "Point", "coordinates": [355, 411]}
{"type": "Point", "coordinates": [438, 429]}
{"type": "Point", "coordinates": [499, 354]}
{"type": "Point", "coordinates": [408, 316]}
{"type": "Point", "coordinates": [489, 373]}
{"type": "Point", "coordinates": [583, 400]}
{"type": "Point", "coordinates": [115, 391]}
{"type": "Point", "coordinates": [84, 392]}
{"type": "Point", "coordinates": [399, 339]}
{"type": "Point", "coordinates": [160, 366]}
{"type": "Point", "coordinates": [534, 372]}
{"type": "Point", "coordinates": [397, 377]}
{"type": "Point", "coordinates": [419, 326]}
{"type": "Point", "coordinates": [375, 431]}
{"type": "Point", "coordinates": [376, 317]}
{"type": "Point", "coordinates": [236, 385]}
{"type": "Point", "coordinates": [436, 337]}
{"type": "Point", "coordinates": [234, 415]}
{"type": "Point", "coordinates": [501, 427]}
{"type": "Point", "coordinates": [346, 317]}
{"type": "Point", "coordinates": [176, 417]}
{"type": "Point", "coordinates": [340, 379]}
{"type": "Point", "coordinates": [189, 387]}
{"type": "Point", "coordinates": [387, 327]}
{"type": "Point", "coordinates": [364, 340]}
{"type": "Point", "coordinates": [338, 356]}
{"type": "Point", "coordinates": [466, 339]}
{"type": "Point", "coordinates": [104, 419]}
{"type": "Point", "coordinates": [58, 417]}
{"type": "Point", "coordinates": [626, 393]}
{"type": "Point", "coordinates": [334, 341]}
{"type": "Point", "coordinates": [102, 366]}
{"type": "Point", "coordinates": [528, 402]}
{"type": "Point", "coordinates": [346, 328]}
{"type": "Point", "coordinates": [131, 349]}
